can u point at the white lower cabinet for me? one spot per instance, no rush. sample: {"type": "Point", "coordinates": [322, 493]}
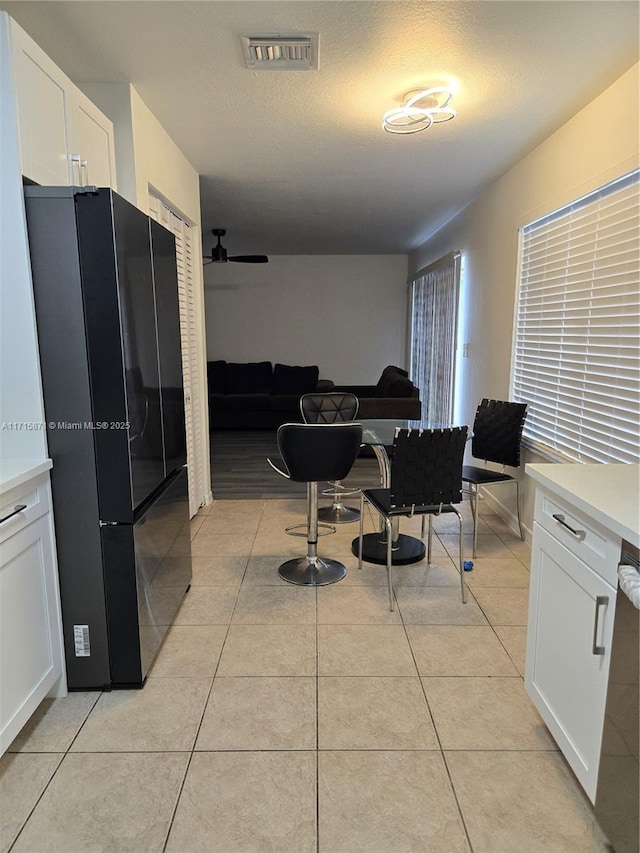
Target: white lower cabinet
{"type": "Point", "coordinates": [31, 652]}
{"type": "Point", "coordinates": [571, 611]}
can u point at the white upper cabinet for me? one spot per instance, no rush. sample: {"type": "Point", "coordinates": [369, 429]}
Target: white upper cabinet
{"type": "Point", "coordinates": [64, 138]}
{"type": "Point", "coordinates": [91, 143]}
{"type": "Point", "coordinates": [41, 100]}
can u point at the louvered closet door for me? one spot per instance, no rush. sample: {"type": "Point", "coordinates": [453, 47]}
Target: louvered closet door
{"type": "Point", "coordinates": [191, 369]}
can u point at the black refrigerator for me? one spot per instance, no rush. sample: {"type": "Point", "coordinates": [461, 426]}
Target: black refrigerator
{"type": "Point", "coordinates": [106, 302]}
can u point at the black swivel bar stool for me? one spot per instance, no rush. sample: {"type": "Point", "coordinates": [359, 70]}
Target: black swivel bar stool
{"type": "Point", "coordinates": [314, 453]}
{"type": "Point", "coordinates": [333, 408]}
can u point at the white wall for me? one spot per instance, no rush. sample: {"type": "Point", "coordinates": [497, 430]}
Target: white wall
{"type": "Point", "coordinates": [345, 313]}
{"type": "Point", "coordinates": [598, 144]}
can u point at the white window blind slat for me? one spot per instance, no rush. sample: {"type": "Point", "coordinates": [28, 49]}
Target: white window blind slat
{"type": "Point", "coordinates": [576, 358]}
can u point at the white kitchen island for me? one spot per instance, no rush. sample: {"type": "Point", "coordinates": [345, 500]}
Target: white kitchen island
{"type": "Point", "coordinates": [583, 512]}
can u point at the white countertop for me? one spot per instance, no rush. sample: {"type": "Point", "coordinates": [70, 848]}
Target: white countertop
{"type": "Point", "coordinates": [15, 472]}
{"type": "Point", "coordinates": [610, 494]}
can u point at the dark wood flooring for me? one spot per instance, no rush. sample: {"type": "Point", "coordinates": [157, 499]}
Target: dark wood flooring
{"type": "Point", "coordinates": [239, 468]}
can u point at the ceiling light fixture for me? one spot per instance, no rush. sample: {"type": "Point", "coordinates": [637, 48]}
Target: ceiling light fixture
{"type": "Point", "coordinates": [422, 108]}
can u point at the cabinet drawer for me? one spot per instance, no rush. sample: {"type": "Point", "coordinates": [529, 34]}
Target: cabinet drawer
{"type": "Point", "coordinates": [581, 535]}
{"type": "Point", "coordinates": [33, 495]}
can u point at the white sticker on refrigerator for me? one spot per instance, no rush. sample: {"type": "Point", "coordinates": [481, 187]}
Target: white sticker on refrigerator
{"type": "Point", "coordinates": [81, 641]}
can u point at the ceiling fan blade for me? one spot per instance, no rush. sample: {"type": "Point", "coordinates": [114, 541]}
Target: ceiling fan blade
{"type": "Point", "coordinates": [249, 259]}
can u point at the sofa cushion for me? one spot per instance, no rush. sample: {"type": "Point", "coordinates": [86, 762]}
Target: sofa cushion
{"type": "Point", "coordinates": [216, 401]}
{"type": "Point", "coordinates": [400, 386]}
{"type": "Point", "coordinates": [289, 379]}
{"type": "Point", "coordinates": [217, 376]}
{"type": "Point", "coordinates": [244, 403]}
{"type": "Point", "coordinates": [288, 404]}
{"type": "Point", "coordinates": [254, 377]}
{"type": "Point", "coordinates": [388, 375]}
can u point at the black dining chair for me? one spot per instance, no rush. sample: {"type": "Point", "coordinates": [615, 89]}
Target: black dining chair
{"type": "Point", "coordinates": [332, 408]}
{"type": "Point", "coordinates": [426, 479]}
{"type": "Point", "coordinates": [497, 433]}
{"type": "Point", "coordinates": [313, 453]}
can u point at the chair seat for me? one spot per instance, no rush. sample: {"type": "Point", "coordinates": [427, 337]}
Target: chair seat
{"type": "Point", "coordinates": [471, 474]}
{"type": "Point", "coordinates": [381, 500]}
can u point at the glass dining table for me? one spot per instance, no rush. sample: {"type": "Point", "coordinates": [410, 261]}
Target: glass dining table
{"type": "Point", "coordinates": [379, 435]}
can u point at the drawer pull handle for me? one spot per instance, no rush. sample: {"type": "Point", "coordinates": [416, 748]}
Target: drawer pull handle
{"type": "Point", "coordinates": [579, 534]}
{"type": "Point", "coordinates": [601, 600]}
{"type": "Point", "coordinates": [16, 510]}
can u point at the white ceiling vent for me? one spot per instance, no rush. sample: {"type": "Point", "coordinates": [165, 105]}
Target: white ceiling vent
{"type": "Point", "coordinates": [281, 53]}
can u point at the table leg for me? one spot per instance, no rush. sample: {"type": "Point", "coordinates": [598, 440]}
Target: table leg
{"type": "Point", "coordinates": [405, 549]}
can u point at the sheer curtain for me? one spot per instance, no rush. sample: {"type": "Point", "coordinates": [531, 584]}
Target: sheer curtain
{"type": "Point", "coordinates": [434, 320]}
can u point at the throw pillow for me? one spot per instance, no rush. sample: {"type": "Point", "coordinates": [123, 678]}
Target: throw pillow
{"type": "Point", "coordinates": [289, 379]}
{"type": "Point", "coordinates": [400, 387]}
{"type": "Point", "coordinates": [254, 377]}
{"type": "Point", "coordinates": [389, 375]}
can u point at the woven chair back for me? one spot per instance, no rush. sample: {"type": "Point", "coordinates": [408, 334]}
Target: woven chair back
{"type": "Point", "coordinates": [315, 452]}
{"type": "Point", "coordinates": [497, 431]}
{"type": "Point", "coordinates": [328, 408]}
{"type": "Point", "coordinates": [426, 467]}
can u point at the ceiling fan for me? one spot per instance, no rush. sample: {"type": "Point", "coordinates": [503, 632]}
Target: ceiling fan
{"type": "Point", "coordinates": [219, 253]}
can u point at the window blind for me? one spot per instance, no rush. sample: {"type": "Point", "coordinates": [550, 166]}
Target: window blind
{"type": "Point", "coordinates": [433, 337]}
{"type": "Point", "coordinates": [576, 358]}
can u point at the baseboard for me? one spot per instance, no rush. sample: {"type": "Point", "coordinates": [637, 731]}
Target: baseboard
{"type": "Point", "coordinates": [489, 496]}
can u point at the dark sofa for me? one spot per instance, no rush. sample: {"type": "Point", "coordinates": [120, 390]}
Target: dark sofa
{"type": "Point", "coordinates": [258, 395]}
{"type": "Point", "coordinates": [394, 396]}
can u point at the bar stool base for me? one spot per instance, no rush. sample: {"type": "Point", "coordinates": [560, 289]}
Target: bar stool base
{"type": "Point", "coordinates": [312, 571]}
{"type": "Point", "coordinates": [338, 514]}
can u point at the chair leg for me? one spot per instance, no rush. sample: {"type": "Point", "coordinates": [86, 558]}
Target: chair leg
{"type": "Point", "coordinates": [361, 530]}
{"type": "Point", "coordinates": [476, 495]}
{"type": "Point", "coordinates": [463, 585]}
{"type": "Point", "coordinates": [430, 522]}
{"type": "Point", "coordinates": [518, 509]}
{"type": "Point", "coordinates": [388, 524]}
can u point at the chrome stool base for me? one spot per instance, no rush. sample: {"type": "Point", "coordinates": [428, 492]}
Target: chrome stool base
{"type": "Point", "coordinates": [312, 571]}
{"type": "Point", "coordinates": [338, 514]}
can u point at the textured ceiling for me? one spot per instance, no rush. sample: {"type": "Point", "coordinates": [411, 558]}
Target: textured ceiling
{"type": "Point", "coordinates": [296, 162]}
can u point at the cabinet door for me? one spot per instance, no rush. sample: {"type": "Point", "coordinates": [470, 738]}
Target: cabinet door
{"type": "Point", "coordinates": [42, 105]}
{"type": "Point", "coordinates": [30, 649]}
{"type": "Point", "coordinates": [570, 611]}
{"type": "Point", "coordinates": [91, 142]}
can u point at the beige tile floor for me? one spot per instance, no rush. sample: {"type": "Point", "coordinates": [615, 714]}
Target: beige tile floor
{"type": "Point", "coordinates": [280, 718]}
